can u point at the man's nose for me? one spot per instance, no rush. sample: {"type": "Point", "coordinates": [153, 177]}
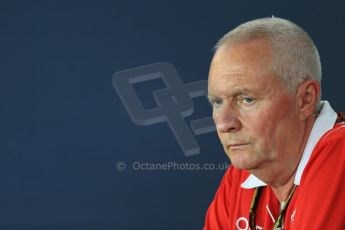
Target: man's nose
{"type": "Point", "coordinates": [226, 120]}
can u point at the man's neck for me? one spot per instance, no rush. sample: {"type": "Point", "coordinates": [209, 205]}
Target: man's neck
{"type": "Point", "coordinates": [282, 191]}
{"type": "Point", "coordinates": [282, 184]}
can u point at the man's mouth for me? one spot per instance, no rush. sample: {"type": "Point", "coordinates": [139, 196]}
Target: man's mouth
{"type": "Point", "coordinates": [237, 146]}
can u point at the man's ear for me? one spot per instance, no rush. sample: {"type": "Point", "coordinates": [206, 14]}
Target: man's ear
{"type": "Point", "coordinates": [308, 94]}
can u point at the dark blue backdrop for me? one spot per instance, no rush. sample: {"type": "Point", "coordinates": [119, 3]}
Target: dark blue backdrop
{"type": "Point", "coordinates": [64, 128]}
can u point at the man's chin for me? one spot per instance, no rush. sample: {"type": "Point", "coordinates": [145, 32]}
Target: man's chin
{"type": "Point", "coordinates": [242, 162]}
{"type": "Point", "coordinates": [243, 166]}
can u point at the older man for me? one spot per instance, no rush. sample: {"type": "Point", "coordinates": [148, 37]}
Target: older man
{"type": "Point", "coordinates": [287, 148]}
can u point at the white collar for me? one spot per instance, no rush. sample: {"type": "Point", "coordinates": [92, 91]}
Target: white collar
{"type": "Point", "coordinates": [324, 122]}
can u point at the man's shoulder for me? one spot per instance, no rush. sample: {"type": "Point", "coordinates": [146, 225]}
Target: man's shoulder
{"type": "Point", "coordinates": [331, 144]}
{"type": "Point", "coordinates": [328, 157]}
{"type": "Point", "coordinates": [321, 192]}
{"type": "Point", "coordinates": [337, 133]}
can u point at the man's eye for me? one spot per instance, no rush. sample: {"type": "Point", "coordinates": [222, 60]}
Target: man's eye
{"type": "Point", "coordinates": [216, 101]}
{"type": "Point", "coordinates": [247, 100]}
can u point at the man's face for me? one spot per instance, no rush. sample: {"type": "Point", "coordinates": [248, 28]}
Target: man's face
{"type": "Point", "coordinates": [256, 118]}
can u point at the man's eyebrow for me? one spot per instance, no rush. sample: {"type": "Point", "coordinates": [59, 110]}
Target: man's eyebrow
{"type": "Point", "coordinates": [238, 92]}
{"type": "Point", "coordinates": [233, 94]}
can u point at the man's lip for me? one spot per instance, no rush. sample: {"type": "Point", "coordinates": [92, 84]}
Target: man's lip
{"type": "Point", "coordinates": [237, 145]}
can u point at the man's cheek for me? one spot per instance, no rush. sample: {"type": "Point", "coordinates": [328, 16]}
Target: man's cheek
{"type": "Point", "coordinates": [222, 139]}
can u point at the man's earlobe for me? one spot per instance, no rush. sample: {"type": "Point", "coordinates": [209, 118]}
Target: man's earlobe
{"type": "Point", "coordinates": [308, 94]}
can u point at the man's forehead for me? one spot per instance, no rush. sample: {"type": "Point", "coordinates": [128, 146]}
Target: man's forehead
{"type": "Point", "coordinates": [231, 90]}
{"type": "Point", "coordinates": [241, 57]}
{"type": "Point", "coordinates": [240, 83]}
{"type": "Point", "coordinates": [238, 78]}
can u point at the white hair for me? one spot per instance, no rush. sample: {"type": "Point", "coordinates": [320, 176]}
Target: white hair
{"type": "Point", "coordinates": [294, 54]}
